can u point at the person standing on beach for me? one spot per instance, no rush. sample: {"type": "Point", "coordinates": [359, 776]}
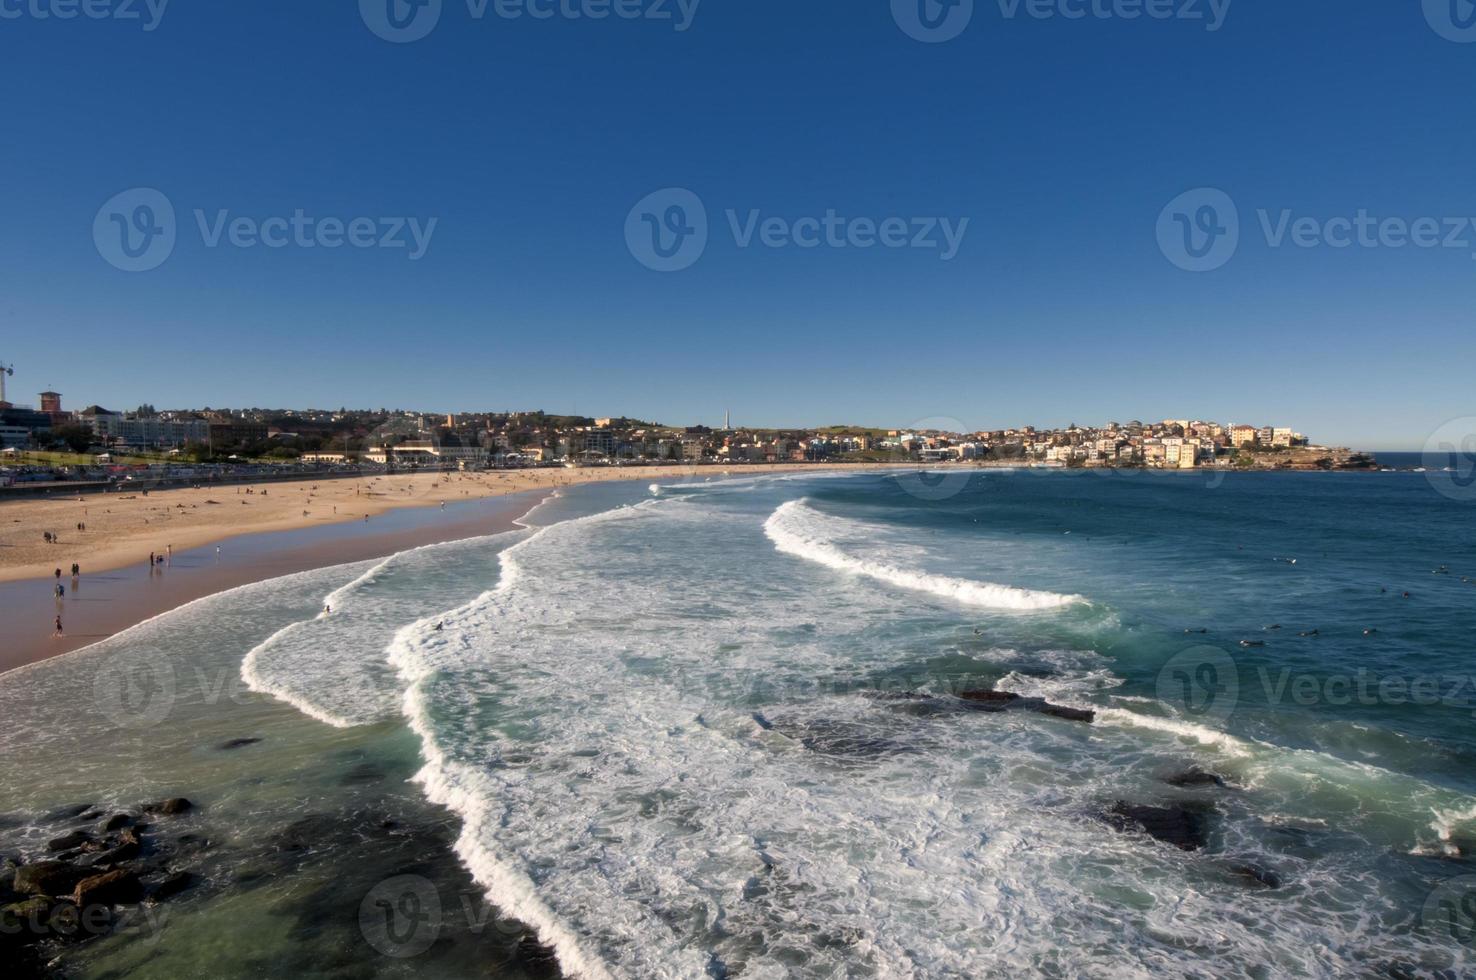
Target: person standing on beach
{"type": "Point", "coordinates": [58, 628]}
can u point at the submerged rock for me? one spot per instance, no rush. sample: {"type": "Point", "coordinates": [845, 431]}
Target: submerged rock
{"type": "Point", "coordinates": [67, 842]}
{"type": "Point", "coordinates": [111, 888]}
{"type": "Point", "coordinates": [171, 885]}
{"type": "Point", "coordinates": [68, 812]}
{"type": "Point", "coordinates": [1254, 874]}
{"type": "Point", "coordinates": [1005, 701]}
{"type": "Point", "coordinates": [989, 697]}
{"type": "Point", "coordinates": [1197, 777]}
{"type": "Point", "coordinates": [1069, 714]}
{"type": "Point", "coordinates": [1185, 826]}
{"type": "Point", "coordinates": [171, 807]}
{"type": "Point", "coordinates": [48, 878]}
{"type": "Point", "coordinates": [238, 743]}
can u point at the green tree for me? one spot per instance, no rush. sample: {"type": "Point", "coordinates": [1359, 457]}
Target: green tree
{"type": "Point", "coordinates": [77, 437]}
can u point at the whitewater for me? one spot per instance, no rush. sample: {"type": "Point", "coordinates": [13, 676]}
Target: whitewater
{"type": "Point", "coordinates": [662, 727]}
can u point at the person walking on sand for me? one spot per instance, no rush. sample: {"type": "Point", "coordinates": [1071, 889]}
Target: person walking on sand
{"type": "Point", "coordinates": [58, 628]}
{"type": "Point", "coordinates": [58, 574]}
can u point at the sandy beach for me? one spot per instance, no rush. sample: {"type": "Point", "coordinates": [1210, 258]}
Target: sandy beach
{"type": "Point", "coordinates": [123, 528]}
{"type": "Point", "coordinates": [217, 538]}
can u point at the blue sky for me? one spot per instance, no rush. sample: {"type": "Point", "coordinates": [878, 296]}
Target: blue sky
{"type": "Point", "coordinates": [529, 141]}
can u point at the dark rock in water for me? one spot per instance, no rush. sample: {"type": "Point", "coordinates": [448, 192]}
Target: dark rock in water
{"type": "Point", "coordinates": [1185, 826]}
{"type": "Point", "coordinates": [68, 841]}
{"type": "Point", "coordinates": [1464, 847]}
{"type": "Point", "coordinates": [118, 821]}
{"type": "Point", "coordinates": [36, 909]}
{"type": "Point", "coordinates": [238, 743]}
{"type": "Point", "coordinates": [110, 888]}
{"type": "Point", "coordinates": [838, 738]}
{"type": "Point", "coordinates": [92, 815]}
{"type": "Point", "coordinates": [126, 850]}
{"type": "Point", "coordinates": [171, 807]}
{"type": "Point", "coordinates": [172, 885]}
{"type": "Point", "coordinates": [1254, 874]}
{"type": "Point", "coordinates": [1005, 701]}
{"type": "Point", "coordinates": [1070, 714]}
{"type": "Point", "coordinates": [69, 812]}
{"type": "Point", "coordinates": [910, 703]}
{"type": "Point", "coordinates": [48, 878]}
{"type": "Point", "coordinates": [1196, 777]}
{"type": "Point", "coordinates": [989, 697]}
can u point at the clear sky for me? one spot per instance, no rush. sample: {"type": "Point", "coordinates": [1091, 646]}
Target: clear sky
{"type": "Point", "coordinates": [530, 140]}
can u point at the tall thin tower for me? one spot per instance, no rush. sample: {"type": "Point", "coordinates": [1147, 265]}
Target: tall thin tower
{"type": "Point", "coordinates": [6, 370]}
{"type": "Point", "coordinates": [728, 420]}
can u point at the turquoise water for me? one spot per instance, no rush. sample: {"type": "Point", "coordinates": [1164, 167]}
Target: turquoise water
{"type": "Point", "coordinates": [709, 729]}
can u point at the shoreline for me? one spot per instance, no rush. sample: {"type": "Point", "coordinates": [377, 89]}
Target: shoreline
{"type": "Point", "coordinates": [118, 589]}
{"type": "Point", "coordinates": [100, 605]}
{"type": "Point", "coordinates": [121, 529]}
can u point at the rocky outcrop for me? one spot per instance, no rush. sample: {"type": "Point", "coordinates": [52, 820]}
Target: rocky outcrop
{"type": "Point", "coordinates": [1183, 825]}
{"type": "Point", "coordinates": [88, 882]}
{"type": "Point", "coordinates": [47, 878]}
{"type": "Point", "coordinates": [68, 842]}
{"type": "Point", "coordinates": [110, 888]}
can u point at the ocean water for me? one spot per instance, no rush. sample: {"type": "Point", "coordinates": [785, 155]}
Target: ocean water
{"type": "Point", "coordinates": [710, 729]}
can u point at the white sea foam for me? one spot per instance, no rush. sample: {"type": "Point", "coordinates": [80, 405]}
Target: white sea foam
{"type": "Point", "coordinates": [592, 720]}
{"type": "Point", "coordinates": [803, 532]}
{"type": "Point", "coordinates": [333, 667]}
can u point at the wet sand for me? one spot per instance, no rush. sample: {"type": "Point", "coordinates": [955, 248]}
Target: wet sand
{"type": "Point", "coordinates": [122, 527]}
{"type": "Point", "coordinates": [97, 605]}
